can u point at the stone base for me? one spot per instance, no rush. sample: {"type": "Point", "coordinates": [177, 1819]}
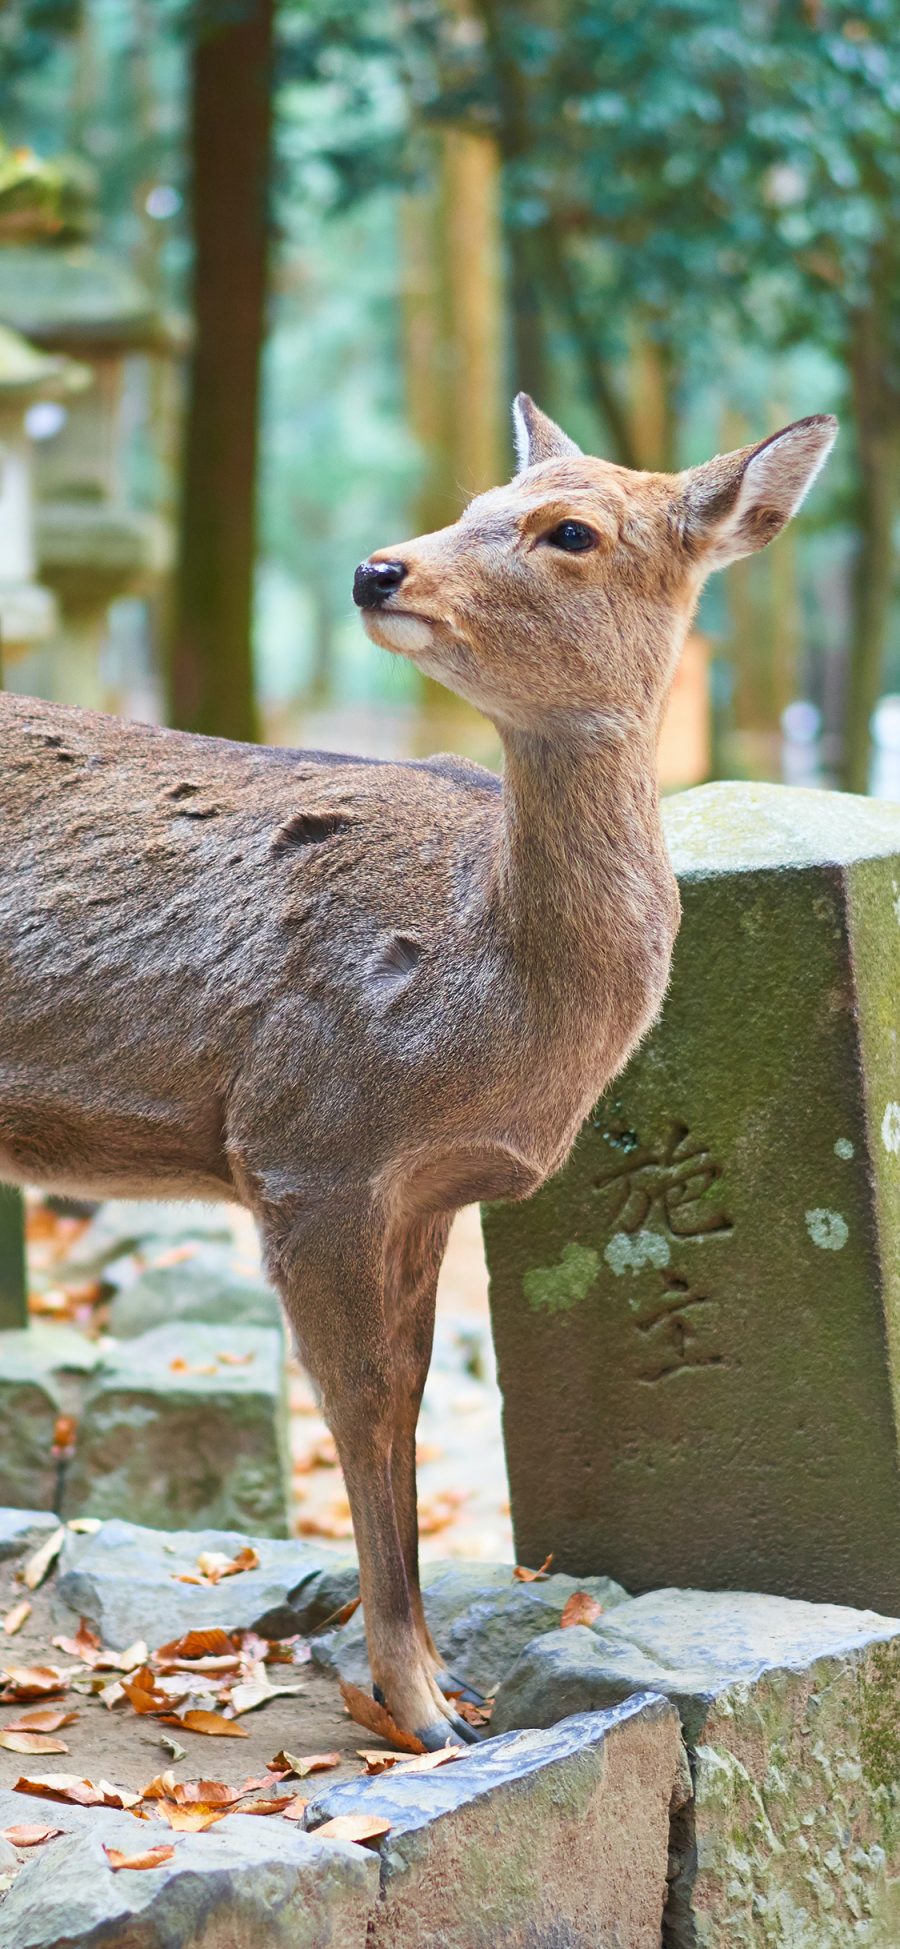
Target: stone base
{"type": "Point", "coordinates": [185, 1424]}
{"type": "Point", "coordinates": [532, 1841]}
{"type": "Point", "coordinates": [791, 1712]}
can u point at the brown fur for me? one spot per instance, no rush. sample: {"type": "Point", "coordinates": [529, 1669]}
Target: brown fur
{"type": "Point", "coordinates": [355, 996]}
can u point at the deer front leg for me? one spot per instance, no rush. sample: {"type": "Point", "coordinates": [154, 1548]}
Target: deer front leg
{"type": "Point", "coordinates": [335, 1300]}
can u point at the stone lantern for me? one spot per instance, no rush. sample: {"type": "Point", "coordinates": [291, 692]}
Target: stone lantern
{"type": "Point", "coordinates": [27, 376]}
{"type": "Point", "coordinates": [95, 544]}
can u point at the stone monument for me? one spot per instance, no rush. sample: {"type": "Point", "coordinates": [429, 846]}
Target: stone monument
{"type": "Point", "coordinates": [698, 1322]}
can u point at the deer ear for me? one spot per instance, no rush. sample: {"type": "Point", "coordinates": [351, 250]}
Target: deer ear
{"type": "Point", "coordinates": [740, 501]}
{"type": "Point", "coordinates": [537, 438]}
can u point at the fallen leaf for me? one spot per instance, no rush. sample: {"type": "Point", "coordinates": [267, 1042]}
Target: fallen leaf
{"type": "Point", "coordinates": [31, 1742]}
{"type": "Point", "coordinates": [206, 1793]}
{"type": "Point", "coordinates": [289, 1763]}
{"type": "Point", "coordinates": [377, 1761]}
{"type": "Point", "coordinates": [426, 1762]}
{"type": "Point", "coordinates": [128, 1660]}
{"type": "Point", "coordinates": [474, 1715]}
{"type": "Point", "coordinates": [581, 1608]}
{"type": "Point", "coordinates": [152, 1857]}
{"type": "Point", "coordinates": [211, 1723]}
{"type": "Point", "coordinates": [15, 1618]}
{"type": "Point", "coordinates": [82, 1793]}
{"type": "Point", "coordinates": [376, 1718]}
{"type": "Point", "coordinates": [142, 1692]}
{"type": "Point", "coordinates": [24, 1682]}
{"type": "Point", "coordinates": [172, 1747]}
{"type": "Point", "coordinates": [190, 1820]}
{"type": "Point", "coordinates": [534, 1576]}
{"type": "Point", "coordinates": [84, 1644]}
{"type": "Point", "coordinates": [296, 1808]}
{"type": "Point", "coordinates": [176, 1254]}
{"type": "Point", "coordinates": [197, 1644]}
{"type": "Point", "coordinates": [85, 1525]}
{"type": "Point", "coordinates": [235, 1359]}
{"type": "Point", "coordinates": [44, 1718]}
{"type": "Point", "coordinates": [355, 1827]}
{"type": "Point", "coordinates": [113, 1694]}
{"type": "Point", "coordinates": [29, 1834]}
{"type": "Point", "coordinates": [260, 1807]}
{"type": "Point", "coordinates": [342, 1616]}
{"type": "Point", "coordinates": [246, 1697]}
{"type": "Point", "coordinates": [215, 1565]}
{"type": "Point", "coordinates": [38, 1565]}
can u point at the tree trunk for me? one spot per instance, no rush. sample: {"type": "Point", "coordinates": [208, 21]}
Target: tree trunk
{"type": "Point", "coordinates": [210, 674]}
{"type": "Point", "coordinates": [13, 1280]}
{"type": "Point", "coordinates": [878, 451]}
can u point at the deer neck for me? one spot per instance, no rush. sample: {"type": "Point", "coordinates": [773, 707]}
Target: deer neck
{"type": "Point", "coordinates": [583, 885]}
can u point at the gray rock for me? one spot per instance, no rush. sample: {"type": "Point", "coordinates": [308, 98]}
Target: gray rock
{"type": "Point", "coordinates": [43, 1369]}
{"type": "Point", "coordinates": [204, 1442]}
{"type": "Point", "coordinates": [481, 1618]}
{"type": "Point", "coordinates": [22, 1530]}
{"type": "Point", "coordinates": [791, 1713]}
{"type": "Point", "coordinates": [243, 1884]}
{"type": "Point", "coordinates": [128, 1225]}
{"type": "Point", "coordinates": [206, 1289]}
{"type": "Point", "coordinates": [548, 1840]}
{"type": "Point", "coordinates": [8, 1856]}
{"type": "Point", "coordinates": [124, 1579]}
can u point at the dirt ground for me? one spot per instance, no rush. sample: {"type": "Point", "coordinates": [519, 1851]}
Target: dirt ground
{"type": "Point", "coordinates": [119, 1745]}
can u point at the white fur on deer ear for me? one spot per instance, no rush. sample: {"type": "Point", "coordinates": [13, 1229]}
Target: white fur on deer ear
{"type": "Point", "coordinates": [537, 437]}
{"type": "Point", "coordinates": [739, 501]}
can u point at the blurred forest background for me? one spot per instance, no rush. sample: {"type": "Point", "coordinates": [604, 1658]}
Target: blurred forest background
{"type": "Point", "coordinates": [271, 272]}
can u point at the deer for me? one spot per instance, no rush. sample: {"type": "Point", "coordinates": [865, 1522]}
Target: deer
{"type": "Point", "coordinates": [355, 996]}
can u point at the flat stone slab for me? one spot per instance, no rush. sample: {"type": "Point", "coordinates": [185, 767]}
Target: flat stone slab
{"type": "Point", "coordinates": [481, 1618]}
{"type": "Point", "coordinates": [124, 1575]}
{"type": "Point", "coordinates": [186, 1423]}
{"type": "Point", "coordinates": [22, 1530]}
{"type": "Point", "coordinates": [792, 1714]}
{"type": "Point", "coordinates": [125, 1225]}
{"type": "Point", "coordinates": [248, 1883]}
{"type": "Point", "coordinates": [711, 1284]}
{"type": "Point", "coordinates": [540, 1840]}
{"type": "Point", "coordinates": [43, 1371]}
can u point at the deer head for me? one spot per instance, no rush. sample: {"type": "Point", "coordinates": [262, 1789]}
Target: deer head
{"type": "Point", "coordinates": [568, 593]}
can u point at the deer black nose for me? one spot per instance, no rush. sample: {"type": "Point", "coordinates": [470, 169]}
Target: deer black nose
{"type": "Point", "coordinates": [375, 581]}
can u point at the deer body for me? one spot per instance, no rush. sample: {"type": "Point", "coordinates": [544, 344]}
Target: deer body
{"type": "Point", "coordinates": [356, 996]}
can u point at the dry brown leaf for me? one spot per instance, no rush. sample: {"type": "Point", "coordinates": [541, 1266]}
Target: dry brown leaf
{"type": "Point", "coordinates": [426, 1762]}
{"type": "Point", "coordinates": [152, 1857]}
{"type": "Point", "coordinates": [534, 1576]}
{"type": "Point", "coordinates": [214, 1565]}
{"type": "Point", "coordinates": [206, 1793]}
{"type": "Point", "coordinates": [289, 1763]}
{"type": "Point", "coordinates": [354, 1827]}
{"type": "Point", "coordinates": [31, 1742]}
{"type": "Point", "coordinates": [235, 1359]}
{"type": "Point", "coordinates": [190, 1820]}
{"type": "Point", "coordinates": [112, 1694]}
{"type": "Point", "coordinates": [211, 1723]}
{"type": "Point", "coordinates": [256, 1692]}
{"type": "Point", "coordinates": [15, 1618]}
{"type": "Point", "coordinates": [342, 1616]}
{"type": "Point", "coordinates": [581, 1608]}
{"type": "Point", "coordinates": [197, 1644]}
{"type": "Point", "coordinates": [377, 1761]}
{"type": "Point", "coordinates": [260, 1807]}
{"type": "Point", "coordinates": [141, 1691]}
{"type": "Point", "coordinates": [25, 1682]}
{"type": "Point", "coordinates": [82, 1793]}
{"type": "Point", "coordinates": [44, 1718]}
{"type": "Point", "coordinates": [376, 1718]}
{"type": "Point", "coordinates": [295, 1809]}
{"type": "Point", "coordinates": [38, 1565]}
{"type": "Point", "coordinates": [84, 1645]}
{"type": "Point", "coordinates": [474, 1715]}
{"type": "Point", "coordinates": [29, 1834]}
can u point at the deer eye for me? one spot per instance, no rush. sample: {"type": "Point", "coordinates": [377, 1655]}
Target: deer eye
{"type": "Point", "coordinates": [575, 537]}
